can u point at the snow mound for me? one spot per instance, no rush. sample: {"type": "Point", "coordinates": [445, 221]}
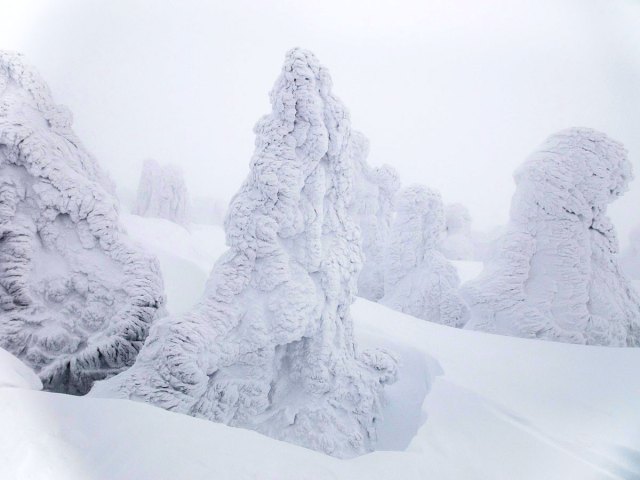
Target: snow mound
{"type": "Point", "coordinates": [419, 280]}
{"type": "Point", "coordinates": [373, 208]}
{"type": "Point", "coordinates": [76, 295]}
{"type": "Point", "coordinates": [162, 193]}
{"type": "Point", "coordinates": [15, 374]}
{"type": "Point", "coordinates": [270, 345]}
{"type": "Point", "coordinates": [554, 274]}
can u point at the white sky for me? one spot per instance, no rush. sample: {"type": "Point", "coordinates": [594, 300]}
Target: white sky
{"type": "Point", "coordinates": [454, 94]}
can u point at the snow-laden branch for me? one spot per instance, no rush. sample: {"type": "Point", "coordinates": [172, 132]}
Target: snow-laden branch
{"type": "Point", "coordinates": [76, 296]}
{"type": "Point", "coordinates": [270, 345]}
{"type": "Point", "coordinates": [554, 274]}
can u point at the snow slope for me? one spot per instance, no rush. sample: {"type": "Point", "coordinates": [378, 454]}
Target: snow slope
{"type": "Point", "coordinates": [501, 408]}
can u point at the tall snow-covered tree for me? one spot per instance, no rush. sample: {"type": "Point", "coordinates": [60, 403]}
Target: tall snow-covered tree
{"type": "Point", "coordinates": [554, 274]}
{"type": "Point", "coordinates": [76, 296]}
{"type": "Point", "coordinates": [208, 210]}
{"type": "Point", "coordinates": [270, 345]}
{"type": "Point", "coordinates": [419, 280]}
{"type": "Point", "coordinates": [373, 208]}
{"type": "Point", "coordinates": [162, 193]}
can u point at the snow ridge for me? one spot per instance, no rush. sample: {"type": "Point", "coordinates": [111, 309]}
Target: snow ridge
{"type": "Point", "coordinates": [419, 280]}
{"type": "Point", "coordinates": [373, 207]}
{"type": "Point", "coordinates": [554, 274]}
{"type": "Point", "coordinates": [162, 193]}
{"type": "Point", "coordinates": [270, 345]}
{"type": "Point", "coordinates": [76, 296]}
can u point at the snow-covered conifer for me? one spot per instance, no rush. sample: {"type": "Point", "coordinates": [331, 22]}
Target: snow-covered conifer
{"type": "Point", "coordinates": [270, 345]}
{"type": "Point", "coordinates": [162, 193]}
{"type": "Point", "coordinates": [373, 208]}
{"type": "Point", "coordinates": [208, 210]}
{"type": "Point", "coordinates": [554, 274]}
{"type": "Point", "coordinates": [630, 258]}
{"type": "Point", "coordinates": [419, 280]}
{"type": "Point", "coordinates": [76, 296]}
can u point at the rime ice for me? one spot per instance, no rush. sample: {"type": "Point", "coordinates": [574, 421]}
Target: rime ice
{"type": "Point", "coordinates": [270, 345]}
{"type": "Point", "coordinates": [554, 274]}
{"type": "Point", "coordinates": [76, 296]}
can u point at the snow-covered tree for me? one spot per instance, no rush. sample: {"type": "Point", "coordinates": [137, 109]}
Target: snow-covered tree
{"type": "Point", "coordinates": [419, 280]}
{"type": "Point", "coordinates": [76, 296]}
{"type": "Point", "coordinates": [270, 345]}
{"type": "Point", "coordinates": [162, 193]}
{"type": "Point", "coordinates": [554, 274]}
{"type": "Point", "coordinates": [373, 208]}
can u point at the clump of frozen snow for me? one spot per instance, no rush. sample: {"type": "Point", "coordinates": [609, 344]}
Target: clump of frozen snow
{"type": "Point", "coordinates": [76, 296]}
{"type": "Point", "coordinates": [373, 208]}
{"type": "Point", "coordinates": [162, 193]}
{"type": "Point", "coordinates": [554, 274]}
{"type": "Point", "coordinates": [208, 210]}
{"type": "Point", "coordinates": [419, 280]}
{"type": "Point", "coordinates": [270, 345]}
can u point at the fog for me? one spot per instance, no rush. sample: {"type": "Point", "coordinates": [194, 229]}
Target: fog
{"type": "Point", "coordinates": [454, 94]}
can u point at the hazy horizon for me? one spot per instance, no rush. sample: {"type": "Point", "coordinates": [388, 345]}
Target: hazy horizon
{"type": "Point", "coordinates": [454, 95]}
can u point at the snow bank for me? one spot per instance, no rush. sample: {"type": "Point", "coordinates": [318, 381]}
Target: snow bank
{"type": "Point", "coordinates": [554, 274]}
{"type": "Point", "coordinates": [492, 414]}
{"type": "Point", "coordinates": [15, 374]}
{"type": "Point", "coordinates": [270, 345]}
{"type": "Point", "coordinates": [76, 296]}
{"type": "Point", "coordinates": [373, 208]}
{"type": "Point", "coordinates": [419, 280]}
{"type": "Point", "coordinates": [162, 193]}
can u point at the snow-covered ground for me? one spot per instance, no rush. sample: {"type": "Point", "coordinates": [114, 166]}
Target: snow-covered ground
{"type": "Point", "coordinates": [468, 405]}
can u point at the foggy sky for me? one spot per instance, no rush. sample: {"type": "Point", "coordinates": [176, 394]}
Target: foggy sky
{"type": "Point", "coordinates": [454, 94]}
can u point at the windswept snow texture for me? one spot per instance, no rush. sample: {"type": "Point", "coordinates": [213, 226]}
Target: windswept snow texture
{"type": "Point", "coordinates": [270, 345]}
{"type": "Point", "coordinates": [419, 280]}
{"type": "Point", "coordinates": [373, 208]}
{"type": "Point", "coordinates": [162, 193]}
{"type": "Point", "coordinates": [76, 296]}
{"type": "Point", "coordinates": [554, 274]}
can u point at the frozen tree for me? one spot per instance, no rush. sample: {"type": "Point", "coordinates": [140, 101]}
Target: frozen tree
{"type": "Point", "coordinates": [270, 345]}
{"type": "Point", "coordinates": [208, 210]}
{"type": "Point", "coordinates": [630, 258]}
{"type": "Point", "coordinates": [457, 243]}
{"type": "Point", "coordinates": [373, 208]}
{"type": "Point", "coordinates": [76, 296]}
{"type": "Point", "coordinates": [554, 273]}
{"type": "Point", "coordinates": [162, 193]}
{"type": "Point", "coordinates": [419, 280]}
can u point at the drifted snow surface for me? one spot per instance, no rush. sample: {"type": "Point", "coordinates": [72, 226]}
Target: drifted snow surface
{"type": "Point", "coordinates": [501, 408]}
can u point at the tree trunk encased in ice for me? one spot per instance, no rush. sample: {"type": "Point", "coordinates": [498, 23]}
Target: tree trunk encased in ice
{"type": "Point", "coordinates": [270, 345]}
{"type": "Point", "coordinates": [554, 274]}
{"type": "Point", "coordinates": [76, 296]}
{"type": "Point", "coordinates": [419, 280]}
